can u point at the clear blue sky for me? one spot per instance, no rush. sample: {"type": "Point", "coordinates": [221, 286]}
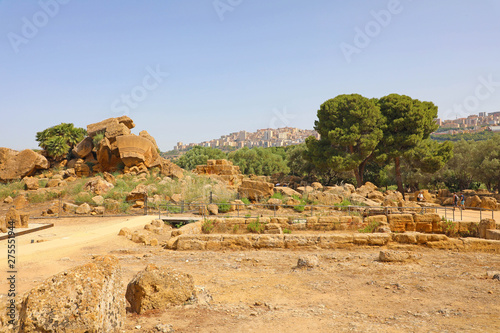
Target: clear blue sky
{"type": "Point", "coordinates": [246, 65]}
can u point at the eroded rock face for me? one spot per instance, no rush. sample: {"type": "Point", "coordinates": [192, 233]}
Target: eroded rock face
{"type": "Point", "coordinates": [135, 150]}
{"type": "Point", "coordinates": [87, 298]}
{"type": "Point", "coordinates": [224, 169]}
{"type": "Point", "coordinates": [84, 147]}
{"type": "Point", "coordinates": [15, 165]}
{"type": "Point", "coordinates": [159, 288]}
{"type": "Point", "coordinates": [111, 127]}
{"type": "Point", "coordinates": [255, 189]}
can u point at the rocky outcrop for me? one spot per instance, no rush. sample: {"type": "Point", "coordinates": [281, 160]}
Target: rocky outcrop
{"type": "Point", "coordinates": [170, 169]}
{"type": "Point", "coordinates": [15, 165]}
{"type": "Point", "coordinates": [255, 189]}
{"type": "Point", "coordinates": [159, 288]}
{"type": "Point", "coordinates": [135, 150]}
{"type": "Point", "coordinates": [111, 127]}
{"type": "Point", "coordinates": [148, 136]}
{"type": "Point", "coordinates": [98, 186]}
{"type": "Point", "coordinates": [19, 219]}
{"type": "Point", "coordinates": [87, 298]}
{"type": "Point", "coordinates": [224, 169]}
{"type": "Point", "coordinates": [84, 147]}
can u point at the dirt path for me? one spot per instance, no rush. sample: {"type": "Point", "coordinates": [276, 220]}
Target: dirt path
{"type": "Point", "coordinates": [259, 291]}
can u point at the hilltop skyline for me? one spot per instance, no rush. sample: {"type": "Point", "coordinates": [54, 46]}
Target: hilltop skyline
{"type": "Point", "coordinates": [188, 72]}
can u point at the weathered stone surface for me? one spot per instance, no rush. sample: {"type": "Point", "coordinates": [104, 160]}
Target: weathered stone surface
{"type": "Point", "coordinates": [15, 165]}
{"type": "Point", "coordinates": [83, 209]}
{"type": "Point", "coordinates": [308, 261]}
{"type": "Point", "coordinates": [376, 196]}
{"type": "Point", "coordinates": [98, 200]}
{"type": "Point", "coordinates": [115, 130]}
{"type": "Point", "coordinates": [223, 169]}
{"type": "Point", "coordinates": [3, 224]}
{"type": "Point", "coordinates": [213, 209]}
{"type": "Point", "coordinates": [127, 121]}
{"type": "Point", "coordinates": [20, 202]}
{"type": "Point", "coordinates": [134, 150]}
{"type": "Point", "coordinates": [394, 256]}
{"type": "Point", "coordinates": [146, 135]}
{"type": "Point", "coordinates": [493, 234]}
{"type": "Point", "coordinates": [170, 169]}
{"type": "Point", "coordinates": [343, 191]}
{"type": "Point", "coordinates": [367, 188]}
{"type": "Point", "coordinates": [357, 199]}
{"type": "Point", "coordinates": [84, 148]}
{"type": "Point", "coordinates": [489, 203]}
{"type": "Point", "coordinates": [274, 204]}
{"type": "Point", "coordinates": [98, 186]}
{"type": "Point", "coordinates": [287, 191]}
{"type": "Point", "coordinates": [20, 219]}
{"type": "Point", "coordinates": [138, 193]}
{"type": "Point", "coordinates": [397, 222]}
{"type": "Point", "coordinates": [125, 232]}
{"type": "Point", "coordinates": [87, 298]}
{"type": "Point", "coordinates": [159, 288]}
{"type": "Point", "coordinates": [305, 189]}
{"type": "Point", "coordinates": [31, 184]}
{"type": "Point", "coordinates": [273, 228]}
{"type": "Point", "coordinates": [108, 156]}
{"type": "Point", "coordinates": [473, 201]}
{"type": "Point", "coordinates": [69, 207]}
{"type": "Point", "coordinates": [325, 198]}
{"type": "Point", "coordinates": [82, 169]}
{"type": "Point", "coordinates": [8, 200]}
{"type": "Point", "coordinates": [255, 190]}
{"type": "Point", "coordinates": [317, 186]}
{"type": "Point", "coordinates": [484, 225]}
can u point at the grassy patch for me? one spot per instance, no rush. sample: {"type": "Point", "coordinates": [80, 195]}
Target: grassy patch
{"type": "Point", "coordinates": [224, 207]}
{"type": "Point", "coordinates": [38, 197]}
{"type": "Point", "coordinates": [10, 189]}
{"type": "Point", "coordinates": [287, 231]}
{"type": "Point", "coordinates": [371, 227]}
{"type": "Point", "coordinates": [208, 226]}
{"type": "Point", "coordinates": [255, 227]}
{"type": "Point", "coordinates": [246, 201]}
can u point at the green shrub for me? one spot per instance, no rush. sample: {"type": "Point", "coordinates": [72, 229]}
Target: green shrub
{"type": "Point", "coordinates": [246, 201]}
{"type": "Point", "coordinates": [299, 208]}
{"type": "Point", "coordinates": [371, 227]}
{"type": "Point", "coordinates": [10, 189]}
{"type": "Point", "coordinates": [224, 207]}
{"type": "Point", "coordinates": [344, 203]}
{"type": "Point", "coordinates": [84, 197]}
{"type": "Point", "coordinates": [124, 207]}
{"type": "Point", "coordinates": [255, 226]}
{"type": "Point", "coordinates": [236, 228]}
{"type": "Point", "coordinates": [208, 226]}
{"type": "Point", "coordinates": [287, 231]}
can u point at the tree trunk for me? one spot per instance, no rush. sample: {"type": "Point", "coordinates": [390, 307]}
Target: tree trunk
{"type": "Point", "coordinates": [359, 178]}
{"type": "Point", "coordinates": [399, 180]}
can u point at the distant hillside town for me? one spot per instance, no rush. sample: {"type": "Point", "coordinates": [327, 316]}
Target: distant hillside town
{"type": "Point", "coordinates": [473, 123]}
{"type": "Point", "coordinates": [265, 138]}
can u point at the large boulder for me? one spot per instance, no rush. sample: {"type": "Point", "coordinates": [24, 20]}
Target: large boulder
{"type": "Point", "coordinates": [287, 191]}
{"type": "Point", "coordinates": [148, 136]}
{"type": "Point", "coordinates": [134, 150]}
{"type": "Point", "coordinates": [358, 199]}
{"type": "Point", "coordinates": [255, 189]}
{"type": "Point", "coordinates": [488, 203]}
{"type": "Point", "coordinates": [86, 298]}
{"type": "Point", "coordinates": [324, 198]}
{"type": "Point", "coordinates": [367, 188]}
{"type": "Point", "coordinates": [170, 169]}
{"type": "Point", "coordinates": [15, 165]}
{"type": "Point", "coordinates": [84, 147]}
{"type": "Point", "coordinates": [19, 219]}
{"type": "Point", "coordinates": [343, 191]}
{"type": "Point", "coordinates": [108, 156]}
{"type": "Point", "coordinates": [31, 183]}
{"type": "Point", "coordinates": [159, 288]}
{"type": "Point", "coordinates": [110, 125]}
{"type": "Point", "coordinates": [98, 186]}
{"type": "Point", "coordinates": [474, 202]}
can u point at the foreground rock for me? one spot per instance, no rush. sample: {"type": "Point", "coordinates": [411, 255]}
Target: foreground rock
{"type": "Point", "coordinates": [255, 189]}
{"type": "Point", "coordinates": [87, 298]}
{"type": "Point", "coordinates": [395, 256]}
{"type": "Point", "coordinates": [15, 165]}
{"type": "Point", "coordinates": [159, 288]}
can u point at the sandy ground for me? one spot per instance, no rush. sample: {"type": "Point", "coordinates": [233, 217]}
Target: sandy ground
{"type": "Point", "coordinates": [260, 291]}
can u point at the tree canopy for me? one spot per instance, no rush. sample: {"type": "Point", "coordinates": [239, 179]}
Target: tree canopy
{"type": "Point", "coordinates": [407, 123]}
{"type": "Point", "coordinates": [350, 127]}
{"type": "Point", "coordinates": [199, 156]}
{"type": "Point", "coordinates": [259, 161]}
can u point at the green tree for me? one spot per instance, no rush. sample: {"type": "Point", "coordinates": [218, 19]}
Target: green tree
{"type": "Point", "coordinates": [421, 162]}
{"type": "Point", "coordinates": [407, 123]}
{"type": "Point", "coordinates": [350, 129]}
{"type": "Point", "coordinates": [199, 156]}
{"type": "Point", "coordinates": [486, 162]}
{"type": "Point", "coordinates": [259, 161]}
{"type": "Point", "coordinates": [58, 140]}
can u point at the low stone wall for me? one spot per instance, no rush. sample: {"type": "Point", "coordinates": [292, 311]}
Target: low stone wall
{"type": "Point", "coordinates": [327, 241]}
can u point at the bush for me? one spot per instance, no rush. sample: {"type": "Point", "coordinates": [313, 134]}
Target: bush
{"type": "Point", "coordinates": [224, 207]}
{"type": "Point", "coordinates": [371, 227]}
{"type": "Point", "coordinates": [255, 227]}
{"type": "Point", "coordinates": [236, 228]}
{"type": "Point", "coordinates": [299, 208]}
{"type": "Point", "coordinates": [287, 231]}
{"type": "Point", "coordinates": [246, 201]}
{"type": "Point", "coordinates": [208, 226]}
{"type": "Point", "coordinates": [10, 189]}
{"type": "Point", "coordinates": [84, 197]}
{"type": "Point", "coordinates": [42, 197]}
{"type": "Point", "coordinates": [124, 207]}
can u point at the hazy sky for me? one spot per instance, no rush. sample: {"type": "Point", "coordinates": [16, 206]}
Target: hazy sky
{"type": "Point", "coordinates": [193, 70]}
